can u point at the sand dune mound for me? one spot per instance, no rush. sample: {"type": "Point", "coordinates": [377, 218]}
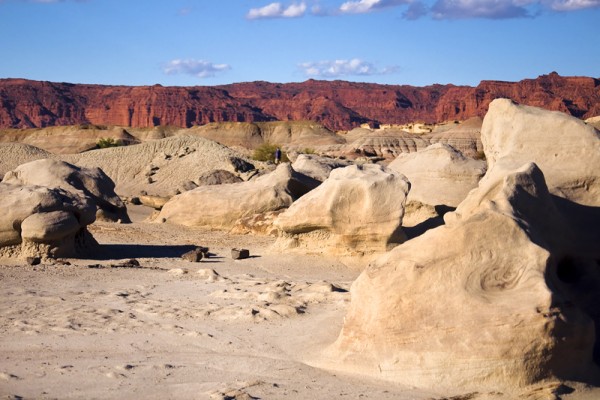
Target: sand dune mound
{"type": "Point", "coordinates": [14, 154]}
{"type": "Point", "coordinates": [67, 139]}
{"type": "Point", "coordinates": [160, 167]}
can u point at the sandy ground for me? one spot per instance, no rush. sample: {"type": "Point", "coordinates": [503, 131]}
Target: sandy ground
{"type": "Point", "coordinates": [219, 329]}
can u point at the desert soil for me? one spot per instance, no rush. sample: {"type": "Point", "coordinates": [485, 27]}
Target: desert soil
{"type": "Point", "coordinates": [218, 329]}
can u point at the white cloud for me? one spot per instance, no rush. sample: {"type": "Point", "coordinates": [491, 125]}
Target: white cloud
{"type": "Point", "coordinates": [573, 5]}
{"type": "Point", "coordinates": [197, 68]}
{"type": "Point", "coordinates": [339, 68]}
{"type": "Point", "coordinates": [365, 6]}
{"type": "Point", "coordinates": [277, 10]}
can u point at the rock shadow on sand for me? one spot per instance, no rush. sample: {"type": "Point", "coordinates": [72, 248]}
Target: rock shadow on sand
{"type": "Point", "coordinates": [122, 251]}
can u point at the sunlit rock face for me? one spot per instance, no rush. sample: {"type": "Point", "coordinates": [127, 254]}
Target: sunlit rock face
{"type": "Point", "coordinates": [505, 294]}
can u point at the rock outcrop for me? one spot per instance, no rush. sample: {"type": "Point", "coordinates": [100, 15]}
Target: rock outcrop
{"type": "Point", "coordinates": [44, 222]}
{"type": "Point", "coordinates": [357, 210]}
{"type": "Point", "coordinates": [504, 295]}
{"type": "Point", "coordinates": [220, 206]}
{"type": "Point", "coordinates": [90, 183]}
{"type": "Point", "coordinates": [317, 167]}
{"type": "Point", "coordinates": [439, 174]}
{"type": "Point", "coordinates": [161, 167]}
{"type": "Point", "coordinates": [68, 139]}
{"type": "Point", "coordinates": [566, 149]}
{"type": "Point", "coordinates": [336, 105]}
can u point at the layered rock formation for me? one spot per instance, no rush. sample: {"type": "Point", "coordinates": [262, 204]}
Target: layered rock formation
{"type": "Point", "coordinates": [67, 139]}
{"type": "Point", "coordinates": [337, 105]}
{"type": "Point", "coordinates": [358, 209]}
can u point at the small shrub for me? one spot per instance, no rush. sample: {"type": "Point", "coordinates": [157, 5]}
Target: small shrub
{"type": "Point", "coordinates": [104, 143]}
{"type": "Point", "coordinates": [266, 152]}
{"type": "Point", "coordinates": [308, 150]}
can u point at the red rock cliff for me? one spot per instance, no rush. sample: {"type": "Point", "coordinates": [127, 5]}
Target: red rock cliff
{"type": "Point", "coordinates": [337, 104]}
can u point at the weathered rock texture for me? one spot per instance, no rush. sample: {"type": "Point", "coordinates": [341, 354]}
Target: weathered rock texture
{"type": "Point", "coordinates": [439, 175]}
{"type": "Point", "coordinates": [317, 167]}
{"type": "Point", "coordinates": [67, 139]}
{"type": "Point", "coordinates": [566, 149]}
{"type": "Point", "coordinates": [39, 221]}
{"type": "Point", "coordinates": [337, 105]}
{"type": "Point", "coordinates": [14, 154]}
{"type": "Point", "coordinates": [465, 137]}
{"type": "Point", "coordinates": [357, 209]}
{"type": "Point", "coordinates": [91, 183]}
{"type": "Point", "coordinates": [160, 167]}
{"type": "Point", "coordinates": [506, 294]}
{"type": "Point", "coordinates": [220, 206]}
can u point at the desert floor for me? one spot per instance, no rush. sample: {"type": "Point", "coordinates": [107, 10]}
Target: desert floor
{"type": "Point", "coordinates": [219, 329]}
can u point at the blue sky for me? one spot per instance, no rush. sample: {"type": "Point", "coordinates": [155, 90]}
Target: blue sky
{"type": "Point", "coordinates": [212, 42]}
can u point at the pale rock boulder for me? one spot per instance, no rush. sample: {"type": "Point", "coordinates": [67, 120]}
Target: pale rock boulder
{"type": "Point", "coordinates": [565, 148]}
{"type": "Point", "coordinates": [88, 182]}
{"type": "Point", "coordinates": [220, 206]}
{"type": "Point", "coordinates": [439, 174]}
{"type": "Point", "coordinates": [504, 295]}
{"type": "Point", "coordinates": [317, 167]}
{"type": "Point", "coordinates": [44, 222]}
{"type": "Point", "coordinates": [358, 209]}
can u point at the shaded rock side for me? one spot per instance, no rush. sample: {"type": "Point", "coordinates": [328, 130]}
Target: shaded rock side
{"type": "Point", "coordinates": [566, 149]}
{"type": "Point", "coordinates": [439, 174]}
{"type": "Point", "coordinates": [503, 296]}
{"type": "Point", "coordinates": [88, 182]}
{"type": "Point", "coordinates": [220, 206]}
{"type": "Point", "coordinates": [357, 209]}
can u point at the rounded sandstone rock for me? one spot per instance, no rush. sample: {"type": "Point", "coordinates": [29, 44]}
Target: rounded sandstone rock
{"type": "Point", "coordinates": [51, 226]}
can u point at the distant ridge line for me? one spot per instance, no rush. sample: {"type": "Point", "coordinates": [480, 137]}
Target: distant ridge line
{"type": "Point", "coordinates": [337, 105]}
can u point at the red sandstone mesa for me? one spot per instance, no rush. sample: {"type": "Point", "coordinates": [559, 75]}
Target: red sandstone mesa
{"type": "Point", "coordinates": [335, 104]}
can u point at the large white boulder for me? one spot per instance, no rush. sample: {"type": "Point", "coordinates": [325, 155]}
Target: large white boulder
{"type": "Point", "coordinates": [504, 295]}
{"type": "Point", "coordinates": [220, 206]}
{"type": "Point", "coordinates": [439, 174]}
{"type": "Point", "coordinates": [565, 148]}
{"type": "Point", "coordinates": [357, 209]}
{"type": "Point", "coordinates": [88, 182]}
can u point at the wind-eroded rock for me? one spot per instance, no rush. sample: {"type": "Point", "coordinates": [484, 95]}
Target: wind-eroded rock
{"type": "Point", "coordinates": [504, 295]}
{"type": "Point", "coordinates": [565, 148]}
{"type": "Point", "coordinates": [41, 221]}
{"type": "Point", "coordinates": [92, 183]}
{"type": "Point", "coordinates": [439, 175]}
{"type": "Point", "coordinates": [220, 206]}
{"type": "Point", "coordinates": [357, 209]}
